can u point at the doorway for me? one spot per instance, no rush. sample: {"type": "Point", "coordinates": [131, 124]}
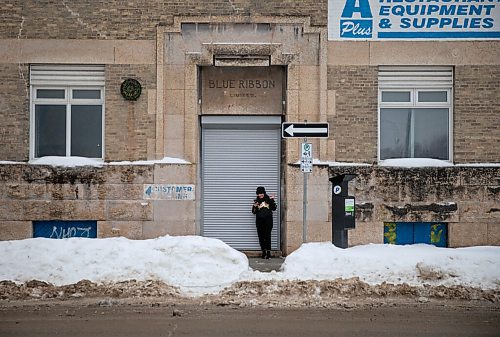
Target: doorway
{"type": "Point", "coordinates": [239, 153]}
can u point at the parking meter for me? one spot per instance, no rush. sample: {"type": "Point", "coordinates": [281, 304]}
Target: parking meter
{"type": "Point", "coordinates": [343, 209]}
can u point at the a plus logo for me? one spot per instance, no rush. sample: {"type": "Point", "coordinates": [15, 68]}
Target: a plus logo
{"type": "Point", "coordinates": [356, 20]}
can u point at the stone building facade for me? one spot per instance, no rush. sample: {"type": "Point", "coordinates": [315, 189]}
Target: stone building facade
{"type": "Point", "coordinates": [172, 48]}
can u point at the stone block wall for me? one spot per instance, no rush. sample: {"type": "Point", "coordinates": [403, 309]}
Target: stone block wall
{"type": "Point", "coordinates": [466, 198]}
{"type": "Point", "coordinates": [112, 195]}
{"type": "Point", "coordinates": [319, 228]}
{"type": "Point", "coordinates": [477, 114]}
{"type": "Point", "coordinates": [130, 125]}
{"type": "Point", "coordinates": [132, 20]}
{"type": "Point", "coordinates": [14, 112]}
{"type": "Point", "coordinates": [354, 124]}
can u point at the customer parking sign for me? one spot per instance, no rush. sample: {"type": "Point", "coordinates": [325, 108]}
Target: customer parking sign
{"type": "Point", "coordinates": [413, 19]}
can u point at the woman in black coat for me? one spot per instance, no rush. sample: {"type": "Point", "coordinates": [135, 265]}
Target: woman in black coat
{"type": "Point", "coordinates": [263, 208]}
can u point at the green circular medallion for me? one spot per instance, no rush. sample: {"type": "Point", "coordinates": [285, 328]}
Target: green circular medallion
{"type": "Point", "coordinates": [131, 89]}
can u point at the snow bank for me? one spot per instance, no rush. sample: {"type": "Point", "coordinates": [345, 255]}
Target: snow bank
{"type": "Point", "coordinates": [165, 160]}
{"type": "Point", "coordinates": [199, 265]}
{"type": "Point", "coordinates": [195, 264]}
{"type": "Point", "coordinates": [67, 161]}
{"type": "Point", "coordinates": [412, 264]}
{"type": "Point", "coordinates": [415, 162]}
{"type": "Point", "coordinates": [83, 161]}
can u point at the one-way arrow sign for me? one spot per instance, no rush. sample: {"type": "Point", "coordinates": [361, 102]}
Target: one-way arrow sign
{"type": "Point", "coordinates": [310, 130]}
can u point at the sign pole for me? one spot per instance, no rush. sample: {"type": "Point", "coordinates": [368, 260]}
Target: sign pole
{"type": "Point", "coordinates": [304, 206]}
{"type": "Point", "coordinates": [305, 130]}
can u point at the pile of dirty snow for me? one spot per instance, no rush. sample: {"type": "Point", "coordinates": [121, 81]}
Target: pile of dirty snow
{"type": "Point", "coordinates": [193, 263]}
{"type": "Point", "coordinates": [198, 265]}
{"type": "Point", "coordinates": [415, 265]}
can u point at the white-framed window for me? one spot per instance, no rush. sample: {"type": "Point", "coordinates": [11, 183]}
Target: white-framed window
{"type": "Point", "coordinates": [67, 111]}
{"type": "Point", "coordinates": [415, 112]}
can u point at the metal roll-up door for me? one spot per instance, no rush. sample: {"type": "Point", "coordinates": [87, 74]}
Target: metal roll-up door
{"type": "Point", "coordinates": [236, 158]}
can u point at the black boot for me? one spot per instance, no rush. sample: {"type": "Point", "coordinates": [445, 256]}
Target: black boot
{"type": "Point", "coordinates": [268, 254]}
{"type": "Point", "coordinates": [263, 254]}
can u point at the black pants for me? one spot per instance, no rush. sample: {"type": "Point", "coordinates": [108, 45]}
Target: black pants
{"type": "Point", "coordinates": [264, 233]}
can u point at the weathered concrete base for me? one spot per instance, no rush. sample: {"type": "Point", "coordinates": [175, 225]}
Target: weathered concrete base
{"type": "Point", "coordinates": [494, 234]}
{"type": "Point", "coordinates": [466, 198]}
{"type": "Point", "coordinates": [113, 195]}
{"type": "Point", "coordinates": [128, 229]}
{"type": "Point", "coordinates": [15, 230]}
{"type": "Point", "coordinates": [153, 229]}
{"type": "Point", "coordinates": [366, 232]}
{"type": "Point", "coordinates": [464, 234]}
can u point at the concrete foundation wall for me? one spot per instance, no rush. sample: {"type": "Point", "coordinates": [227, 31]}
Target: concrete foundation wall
{"type": "Point", "coordinates": [318, 222]}
{"type": "Point", "coordinates": [464, 197]}
{"type": "Point", "coordinates": [112, 195]}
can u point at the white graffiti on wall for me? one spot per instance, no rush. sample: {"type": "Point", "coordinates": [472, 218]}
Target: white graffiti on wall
{"type": "Point", "coordinates": [169, 192]}
{"type": "Point", "coordinates": [70, 232]}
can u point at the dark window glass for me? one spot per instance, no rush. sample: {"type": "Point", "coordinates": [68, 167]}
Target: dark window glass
{"type": "Point", "coordinates": [50, 130]}
{"type": "Point", "coordinates": [432, 96]}
{"type": "Point", "coordinates": [263, 27]}
{"type": "Point", "coordinates": [203, 27]}
{"type": "Point", "coordinates": [86, 131]}
{"type": "Point", "coordinates": [395, 96]}
{"type": "Point", "coordinates": [395, 133]}
{"type": "Point", "coordinates": [188, 28]}
{"type": "Point", "coordinates": [50, 93]}
{"type": "Point", "coordinates": [86, 94]}
{"type": "Point", "coordinates": [414, 133]}
{"type": "Point", "coordinates": [431, 133]}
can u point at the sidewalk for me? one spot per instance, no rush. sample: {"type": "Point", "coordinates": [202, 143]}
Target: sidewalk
{"type": "Point", "coordinates": [266, 266]}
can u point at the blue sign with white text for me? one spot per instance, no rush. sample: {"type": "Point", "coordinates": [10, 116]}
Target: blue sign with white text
{"type": "Point", "coordinates": [356, 20]}
{"type": "Point", "coordinates": [413, 19]}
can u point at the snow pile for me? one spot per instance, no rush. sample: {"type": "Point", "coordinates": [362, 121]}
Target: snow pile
{"type": "Point", "coordinates": [199, 265]}
{"type": "Point", "coordinates": [194, 264]}
{"type": "Point", "coordinates": [415, 162]}
{"type": "Point", "coordinates": [165, 160]}
{"type": "Point", "coordinates": [73, 161]}
{"type": "Point", "coordinates": [412, 264]}
{"type": "Point", "coordinates": [83, 161]}
{"type": "Point", "coordinates": [67, 161]}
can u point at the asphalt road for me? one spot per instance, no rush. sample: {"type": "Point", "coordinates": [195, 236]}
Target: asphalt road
{"type": "Point", "coordinates": [227, 321]}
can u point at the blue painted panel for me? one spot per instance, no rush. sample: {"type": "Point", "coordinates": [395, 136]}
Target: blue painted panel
{"type": "Point", "coordinates": [404, 233]}
{"type": "Point", "coordinates": [422, 232]}
{"type": "Point", "coordinates": [431, 233]}
{"type": "Point", "coordinates": [57, 229]}
{"type": "Point", "coordinates": [390, 232]}
{"type": "Point", "coordinates": [439, 234]}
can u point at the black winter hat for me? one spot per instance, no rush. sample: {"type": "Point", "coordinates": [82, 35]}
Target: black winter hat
{"type": "Point", "coordinates": [260, 190]}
